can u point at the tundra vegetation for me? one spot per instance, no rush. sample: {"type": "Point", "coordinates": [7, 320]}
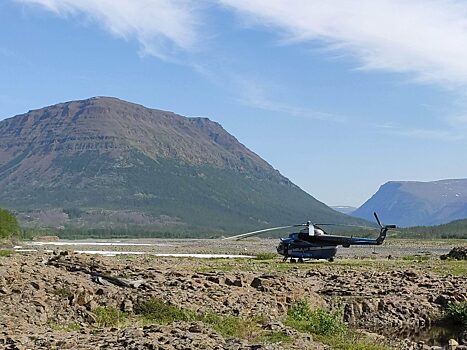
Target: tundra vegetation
{"type": "Point", "coordinates": [325, 326]}
{"type": "Point", "coordinates": [328, 327]}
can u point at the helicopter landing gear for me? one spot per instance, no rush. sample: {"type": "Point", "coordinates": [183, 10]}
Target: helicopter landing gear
{"type": "Point", "coordinates": [331, 259]}
{"type": "Point", "coordinates": [293, 261]}
{"type": "Point", "coordinates": [300, 260]}
{"type": "Point", "coordinates": [285, 259]}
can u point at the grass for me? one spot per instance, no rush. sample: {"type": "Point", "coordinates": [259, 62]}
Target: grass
{"type": "Point", "coordinates": [109, 316]}
{"type": "Point", "coordinates": [265, 256]}
{"type": "Point", "coordinates": [416, 258]}
{"type": "Point", "coordinates": [351, 341]}
{"type": "Point", "coordinates": [425, 263]}
{"type": "Point", "coordinates": [450, 267]}
{"type": "Point", "coordinates": [276, 337]}
{"type": "Point", "coordinates": [157, 311]}
{"type": "Point", "coordinates": [71, 327]}
{"type": "Point", "coordinates": [6, 253]}
{"type": "Point", "coordinates": [328, 328]}
{"type": "Point", "coordinates": [233, 327]}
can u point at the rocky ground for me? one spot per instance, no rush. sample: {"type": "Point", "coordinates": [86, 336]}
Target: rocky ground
{"type": "Point", "coordinates": [65, 300]}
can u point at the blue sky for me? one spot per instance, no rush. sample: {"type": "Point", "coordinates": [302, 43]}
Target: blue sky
{"type": "Point", "coordinates": [340, 96]}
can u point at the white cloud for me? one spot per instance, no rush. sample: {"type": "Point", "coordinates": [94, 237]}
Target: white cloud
{"type": "Point", "coordinates": [162, 27]}
{"type": "Point", "coordinates": [424, 37]}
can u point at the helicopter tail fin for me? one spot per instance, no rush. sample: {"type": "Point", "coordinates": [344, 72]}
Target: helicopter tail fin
{"type": "Point", "coordinates": [384, 230]}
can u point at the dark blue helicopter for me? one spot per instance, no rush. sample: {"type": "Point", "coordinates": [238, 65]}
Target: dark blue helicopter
{"type": "Point", "coordinates": [312, 242]}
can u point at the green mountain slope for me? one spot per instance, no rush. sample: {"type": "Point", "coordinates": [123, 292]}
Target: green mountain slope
{"type": "Point", "coordinates": [104, 162]}
{"type": "Point", "coordinates": [453, 229]}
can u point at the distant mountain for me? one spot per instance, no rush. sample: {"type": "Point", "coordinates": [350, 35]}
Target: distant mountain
{"type": "Point", "coordinates": [411, 203]}
{"type": "Point", "coordinates": [344, 209]}
{"type": "Point", "coordinates": [104, 162]}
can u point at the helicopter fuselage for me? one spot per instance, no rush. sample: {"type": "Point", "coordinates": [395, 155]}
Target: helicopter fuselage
{"type": "Point", "coordinates": [296, 248]}
{"type": "Point", "coordinates": [321, 245]}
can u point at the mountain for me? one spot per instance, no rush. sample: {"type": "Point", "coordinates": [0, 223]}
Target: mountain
{"type": "Point", "coordinates": [104, 162]}
{"type": "Point", "coordinates": [345, 209]}
{"type": "Point", "coordinates": [412, 203]}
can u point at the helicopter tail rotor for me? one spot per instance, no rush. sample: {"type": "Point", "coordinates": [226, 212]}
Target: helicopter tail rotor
{"type": "Point", "coordinates": [384, 230]}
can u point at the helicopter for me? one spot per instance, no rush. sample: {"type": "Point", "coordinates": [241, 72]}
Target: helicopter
{"type": "Point", "coordinates": [312, 241]}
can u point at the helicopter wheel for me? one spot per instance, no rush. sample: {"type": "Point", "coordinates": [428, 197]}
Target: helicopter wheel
{"type": "Point", "coordinates": [300, 260]}
{"type": "Point", "coordinates": [331, 259]}
{"type": "Point", "coordinates": [293, 261]}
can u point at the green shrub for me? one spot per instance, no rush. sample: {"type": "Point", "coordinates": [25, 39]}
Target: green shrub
{"type": "Point", "coordinates": [157, 311]}
{"type": "Point", "coordinates": [319, 321]}
{"type": "Point", "coordinates": [5, 252]}
{"type": "Point", "coordinates": [456, 313]}
{"type": "Point", "coordinates": [109, 316]}
{"type": "Point", "coordinates": [328, 328]}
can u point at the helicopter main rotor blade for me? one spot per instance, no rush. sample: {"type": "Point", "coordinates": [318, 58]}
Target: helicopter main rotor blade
{"type": "Point", "coordinates": [253, 233]}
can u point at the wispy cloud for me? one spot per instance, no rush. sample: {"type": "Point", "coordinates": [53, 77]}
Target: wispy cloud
{"type": "Point", "coordinates": [423, 37]}
{"type": "Point", "coordinates": [164, 28]}
{"type": "Point", "coordinates": [446, 134]}
{"type": "Point", "coordinates": [255, 95]}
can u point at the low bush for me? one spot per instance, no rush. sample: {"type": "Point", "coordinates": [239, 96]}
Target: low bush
{"type": "Point", "coordinates": [6, 252]}
{"type": "Point", "coordinates": [157, 311]}
{"type": "Point", "coordinates": [328, 328]}
{"type": "Point", "coordinates": [109, 316]}
{"type": "Point", "coordinates": [319, 321]}
{"type": "Point", "coordinates": [456, 313]}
